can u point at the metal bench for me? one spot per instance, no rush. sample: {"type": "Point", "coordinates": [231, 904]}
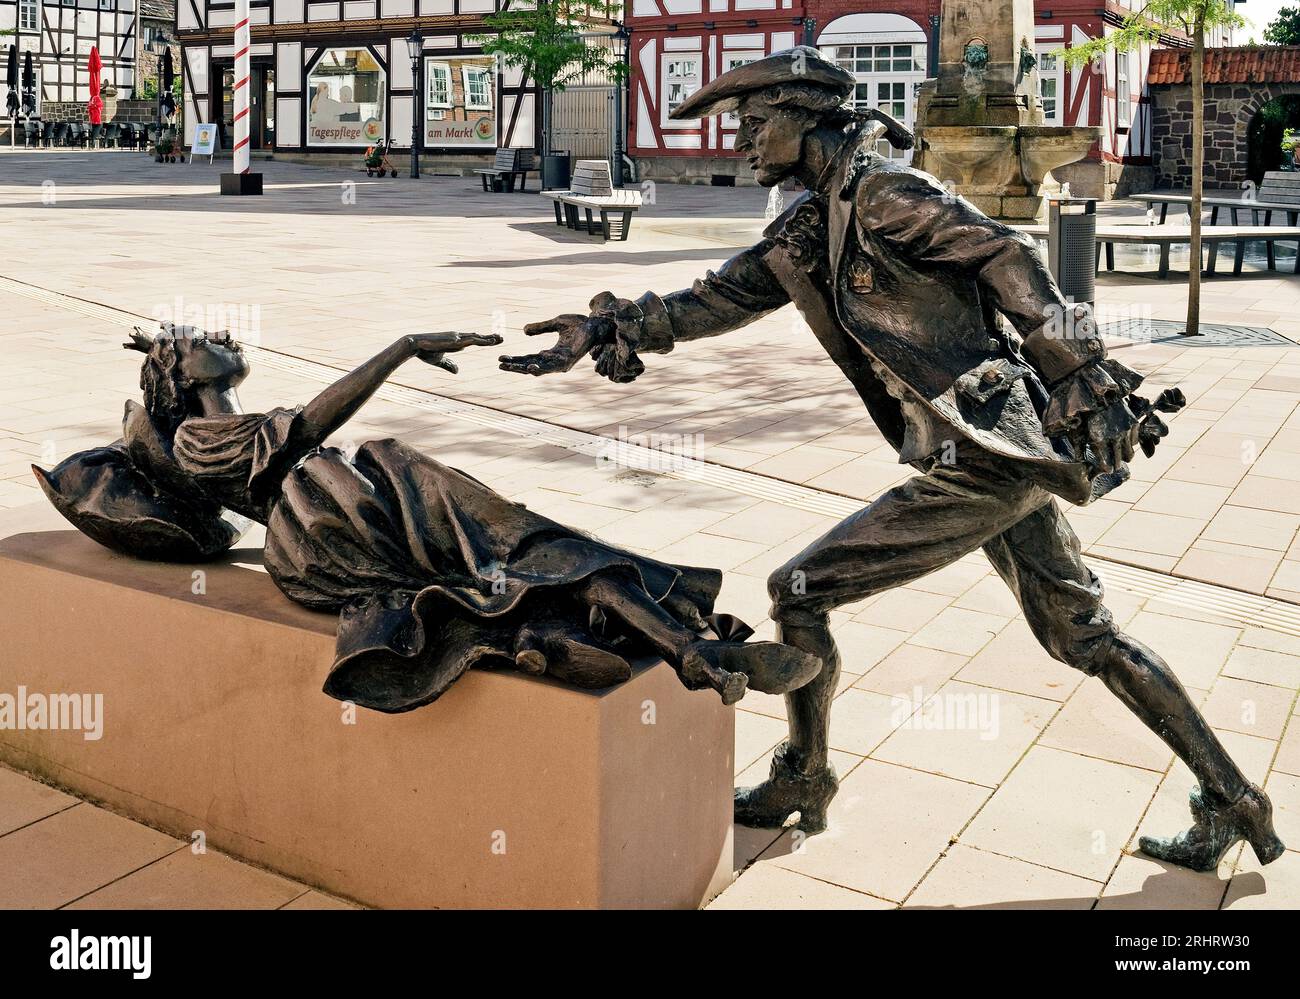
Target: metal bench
{"type": "Point", "coordinates": [1165, 236]}
{"type": "Point", "coordinates": [592, 192]}
{"type": "Point", "coordinates": [506, 166]}
{"type": "Point", "coordinates": [1280, 192]}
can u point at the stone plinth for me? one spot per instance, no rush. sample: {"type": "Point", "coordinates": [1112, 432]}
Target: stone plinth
{"type": "Point", "coordinates": [508, 791]}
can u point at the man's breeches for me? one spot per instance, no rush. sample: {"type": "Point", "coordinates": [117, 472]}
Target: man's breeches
{"type": "Point", "coordinates": [932, 520]}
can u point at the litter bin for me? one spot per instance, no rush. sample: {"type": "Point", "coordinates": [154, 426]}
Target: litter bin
{"type": "Point", "coordinates": [556, 172]}
{"type": "Point", "coordinates": [1072, 247]}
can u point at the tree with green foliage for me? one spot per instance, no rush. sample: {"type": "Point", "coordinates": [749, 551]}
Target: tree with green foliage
{"type": "Point", "coordinates": [545, 41]}
{"type": "Point", "coordinates": [1146, 26]}
{"type": "Point", "coordinates": [1285, 28]}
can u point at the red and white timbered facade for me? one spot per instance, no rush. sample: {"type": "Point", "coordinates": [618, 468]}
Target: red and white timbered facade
{"type": "Point", "coordinates": [679, 45]}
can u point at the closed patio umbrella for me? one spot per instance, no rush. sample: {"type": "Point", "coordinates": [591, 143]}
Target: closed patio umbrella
{"type": "Point", "coordinates": [11, 97]}
{"type": "Point", "coordinates": [95, 109]}
{"type": "Point", "coordinates": [168, 79]}
{"type": "Point", "coordinates": [11, 81]}
{"type": "Point", "coordinates": [29, 86]}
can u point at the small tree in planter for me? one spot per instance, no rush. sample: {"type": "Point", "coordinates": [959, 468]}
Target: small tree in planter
{"type": "Point", "coordinates": [1145, 25]}
{"type": "Point", "coordinates": [546, 42]}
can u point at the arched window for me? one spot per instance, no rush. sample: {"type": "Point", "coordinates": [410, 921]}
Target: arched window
{"type": "Point", "coordinates": [886, 53]}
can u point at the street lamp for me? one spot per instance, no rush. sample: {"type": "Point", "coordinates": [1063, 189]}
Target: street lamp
{"type": "Point", "coordinates": [415, 46]}
{"type": "Point", "coordinates": [623, 35]}
{"type": "Point", "coordinates": [157, 46]}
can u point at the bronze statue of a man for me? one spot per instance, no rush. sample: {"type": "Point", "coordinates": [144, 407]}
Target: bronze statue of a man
{"type": "Point", "coordinates": [906, 287]}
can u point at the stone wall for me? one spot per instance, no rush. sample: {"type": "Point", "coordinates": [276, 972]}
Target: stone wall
{"type": "Point", "coordinates": [695, 169]}
{"type": "Point", "coordinates": [1229, 109]}
{"type": "Point", "coordinates": [140, 112]}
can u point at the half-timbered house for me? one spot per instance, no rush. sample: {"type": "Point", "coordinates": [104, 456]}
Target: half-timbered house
{"type": "Point", "coordinates": [60, 33]}
{"type": "Point", "coordinates": [330, 77]}
{"type": "Point", "coordinates": [679, 45]}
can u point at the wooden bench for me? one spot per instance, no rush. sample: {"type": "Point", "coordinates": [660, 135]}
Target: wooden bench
{"type": "Point", "coordinates": [1280, 192]}
{"type": "Point", "coordinates": [592, 192]}
{"type": "Point", "coordinates": [1165, 236]}
{"type": "Point", "coordinates": [506, 166]}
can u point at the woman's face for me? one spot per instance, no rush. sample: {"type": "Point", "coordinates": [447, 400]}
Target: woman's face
{"type": "Point", "coordinates": [205, 359]}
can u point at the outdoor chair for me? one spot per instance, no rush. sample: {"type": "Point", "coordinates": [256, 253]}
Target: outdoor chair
{"type": "Point", "coordinates": [31, 134]}
{"type": "Point", "coordinates": [60, 136]}
{"type": "Point", "coordinates": [76, 137]}
{"type": "Point", "coordinates": [111, 132]}
{"type": "Point", "coordinates": [47, 133]}
{"type": "Point", "coordinates": [96, 133]}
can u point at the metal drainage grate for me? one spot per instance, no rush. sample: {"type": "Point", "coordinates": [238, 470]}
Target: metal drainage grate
{"type": "Point", "coordinates": [1212, 334]}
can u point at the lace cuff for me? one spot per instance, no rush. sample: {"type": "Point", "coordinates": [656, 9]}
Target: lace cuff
{"type": "Point", "coordinates": [637, 326]}
{"type": "Point", "coordinates": [1093, 388]}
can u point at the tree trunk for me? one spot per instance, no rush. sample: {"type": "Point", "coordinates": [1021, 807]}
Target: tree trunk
{"type": "Point", "coordinates": [1198, 177]}
{"type": "Point", "coordinates": [545, 88]}
{"type": "Point", "coordinates": [546, 121]}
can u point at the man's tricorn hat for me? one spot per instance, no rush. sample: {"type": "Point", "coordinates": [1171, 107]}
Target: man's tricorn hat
{"type": "Point", "coordinates": [801, 64]}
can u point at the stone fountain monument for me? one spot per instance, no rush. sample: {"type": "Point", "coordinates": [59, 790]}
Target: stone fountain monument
{"type": "Point", "coordinates": [980, 122]}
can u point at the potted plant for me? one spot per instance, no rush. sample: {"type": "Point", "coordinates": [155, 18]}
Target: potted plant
{"type": "Point", "coordinates": [167, 148]}
{"type": "Point", "coordinates": [545, 41]}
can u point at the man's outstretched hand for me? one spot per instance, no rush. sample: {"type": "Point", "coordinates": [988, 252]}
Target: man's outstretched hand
{"type": "Point", "coordinates": [577, 336]}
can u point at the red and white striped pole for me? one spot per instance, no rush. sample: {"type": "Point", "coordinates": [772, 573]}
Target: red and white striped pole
{"type": "Point", "coordinates": [242, 180]}
{"type": "Point", "coordinates": [243, 83]}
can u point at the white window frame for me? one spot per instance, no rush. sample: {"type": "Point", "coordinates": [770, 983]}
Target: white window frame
{"type": "Point", "coordinates": [430, 65]}
{"type": "Point", "coordinates": [1056, 74]}
{"type": "Point", "coordinates": [465, 72]}
{"type": "Point", "coordinates": [871, 77]}
{"type": "Point", "coordinates": [729, 119]}
{"type": "Point", "coordinates": [698, 59]}
{"type": "Point", "coordinates": [32, 8]}
{"type": "Point", "coordinates": [1123, 96]}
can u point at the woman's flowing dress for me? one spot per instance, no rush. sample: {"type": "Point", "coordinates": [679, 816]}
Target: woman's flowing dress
{"type": "Point", "coordinates": [430, 571]}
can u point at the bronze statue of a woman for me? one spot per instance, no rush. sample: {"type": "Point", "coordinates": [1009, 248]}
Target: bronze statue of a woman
{"type": "Point", "coordinates": [430, 571]}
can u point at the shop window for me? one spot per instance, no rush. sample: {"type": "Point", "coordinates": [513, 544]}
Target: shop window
{"type": "Point", "coordinates": [460, 106]}
{"type": "Point", "coordinates": [347, 89]}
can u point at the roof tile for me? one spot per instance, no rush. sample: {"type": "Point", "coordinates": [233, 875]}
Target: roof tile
{"type": "Point", "coordinates": [1241, 64]}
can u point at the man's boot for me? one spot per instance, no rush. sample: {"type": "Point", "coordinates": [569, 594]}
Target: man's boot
{"type": "Point", "coordinates": [1226, 807]}
{"type": "Point", "coordinates": [801, 780]}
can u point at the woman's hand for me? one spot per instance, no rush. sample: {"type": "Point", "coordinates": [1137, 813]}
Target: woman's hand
{"type": "Point", "coordinates": [430, 347]}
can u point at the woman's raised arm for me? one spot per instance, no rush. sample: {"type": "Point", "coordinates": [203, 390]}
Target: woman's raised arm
{"type": "Point", "coordinates": [338, 403]}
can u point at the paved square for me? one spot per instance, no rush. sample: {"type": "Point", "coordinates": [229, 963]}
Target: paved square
{"type": "Point", "coordinates": [1033, 797]}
